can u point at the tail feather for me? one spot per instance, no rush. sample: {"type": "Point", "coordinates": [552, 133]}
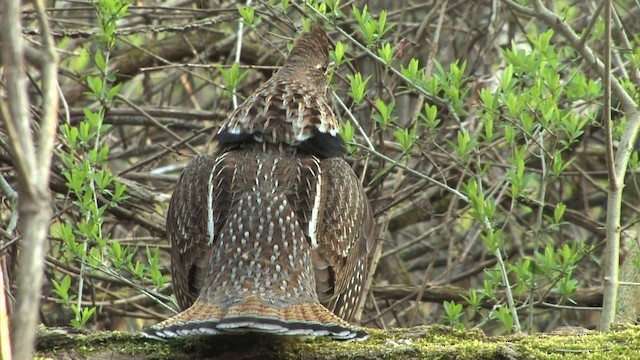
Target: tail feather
{"type": "Point", "coordinates": [204, 318]}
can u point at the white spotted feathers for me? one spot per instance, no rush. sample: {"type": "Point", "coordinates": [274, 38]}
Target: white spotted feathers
{"type": "Point", "coordinates": [271, 234]}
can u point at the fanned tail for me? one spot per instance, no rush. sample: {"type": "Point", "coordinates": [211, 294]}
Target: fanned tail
{"type": "Point", "coordinates": [204, 318]}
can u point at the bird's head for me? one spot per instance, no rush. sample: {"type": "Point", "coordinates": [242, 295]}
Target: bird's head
{"type": "Point", "coordinates": [291, 107]}
{"type": "Point", "coordinates": [309, 57]}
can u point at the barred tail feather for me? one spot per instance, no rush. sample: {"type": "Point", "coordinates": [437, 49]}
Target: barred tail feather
{"type": "Point", "coordinates": [209, 319]}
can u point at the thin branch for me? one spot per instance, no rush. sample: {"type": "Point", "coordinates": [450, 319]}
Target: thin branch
{"type": "Point", "coordinates": [239, 38]}
{"type": "Point", "coordinates": [519, 8]}
{"type": "Point", "coordinates": [50, 94]}
{"type": "Point", "coordinates": [612, 252]}
{"type": "Point", "coordinates": [206, 23]}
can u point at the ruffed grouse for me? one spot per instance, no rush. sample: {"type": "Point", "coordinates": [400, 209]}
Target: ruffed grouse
{"type": "Point", "coordinates": [271, 234]}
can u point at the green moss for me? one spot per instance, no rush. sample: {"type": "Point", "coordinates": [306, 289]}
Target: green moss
{"type": "Point", "coordinates": [423, 342]}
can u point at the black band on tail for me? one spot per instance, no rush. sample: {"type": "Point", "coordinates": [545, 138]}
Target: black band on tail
{"type": "Point", "coordinates": [244, 324]}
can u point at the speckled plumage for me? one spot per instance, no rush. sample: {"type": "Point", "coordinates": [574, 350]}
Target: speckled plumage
{"type": "Point", "coordinates": [272, 233]}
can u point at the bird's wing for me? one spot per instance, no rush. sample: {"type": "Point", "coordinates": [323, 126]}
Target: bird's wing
{"type": "Point", "coordinates": [196, 206]}
{"type": "Point", "coordinates": [347, 233]}
{"type": "Point", "coordinates": [335, 214]}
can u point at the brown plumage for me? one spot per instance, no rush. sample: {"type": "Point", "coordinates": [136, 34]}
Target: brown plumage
{"type": "Point", "coordinates": [272, 233]}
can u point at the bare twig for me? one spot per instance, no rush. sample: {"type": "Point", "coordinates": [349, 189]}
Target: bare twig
{"type": "Point", "coordinates": [585, 297]}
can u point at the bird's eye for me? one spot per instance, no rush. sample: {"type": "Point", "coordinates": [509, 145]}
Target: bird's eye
{"type": "Point", "coordinates": [322, 67]}
{"type": "Point", "coordinates": [326, 67]}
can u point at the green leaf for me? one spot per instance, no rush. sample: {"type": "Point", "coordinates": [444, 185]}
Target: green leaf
{"type": "Point", "coordinates": [99, 61]}
{"type": "Point", "coordinates": [385, 52]}
{"type": "Point", "coordinates": [488, 289]}
{"type": "Point", "coordinates": [559, 165]}
{"type": "Point", "coordinates": [361, 16]}
{"type": "Point", "coordinates": [84, 132]}
{"type": "Point", "coordinates": [491, 238]}
{"type": "Point", "coordinates": [338, 54]}
{"type": "Point", "coordinates": [70, 133]}
{"type": "Point", "coordinates": [62, 288]}
{"type": "Point", "coordinates": [358, 86]}
{"type": "Point", "coordinates": [406, 138]}
{"type": "Point", "coordinates": [465, 144]}
{"type": "Point", "coordinates": [62, 231]}
{"type": "Point", "coordinates": [384, 115]}
{"type": "Point", "coordinates": [412, 72]}
{"type": "Point", "coordinates": [487, 121]}
{"type": "Point", "coordinates": [82, 316]}
{"type": "Point", "coordinates": [453, 312]}
{"type": "Point", "coordinates": [509, 134]}
{"type": "Point", "coordinates": [474, 299]}
{"type": "Point", "coordinates": [506, 82]}
{"type": "Point", "coordinates": [346, 133]}
{"type": "Point", "coordinates": [95, 84]}
{"type": "Point", "coordinates": [233, 76]}
{"type": "Point", "coordinates": [558, 212]}
{"type": "Point", "coordinates": [115, 90]}
{"type": "Point", "coordinates": [104, 152]}
{"type": "Point", "coordinates": [248, 15]}
{"type": "Point", "coordinates": [382, 22]}
{"type": "Point", "coordinates": [118, 194]}
{"type": "Point", "coordinates": [504, 316]}
{"type": "Point", "coordinates": [333, 5]}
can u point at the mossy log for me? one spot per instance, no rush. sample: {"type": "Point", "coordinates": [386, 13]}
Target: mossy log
{"type": "Point", "coordinates": [424, 342]}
